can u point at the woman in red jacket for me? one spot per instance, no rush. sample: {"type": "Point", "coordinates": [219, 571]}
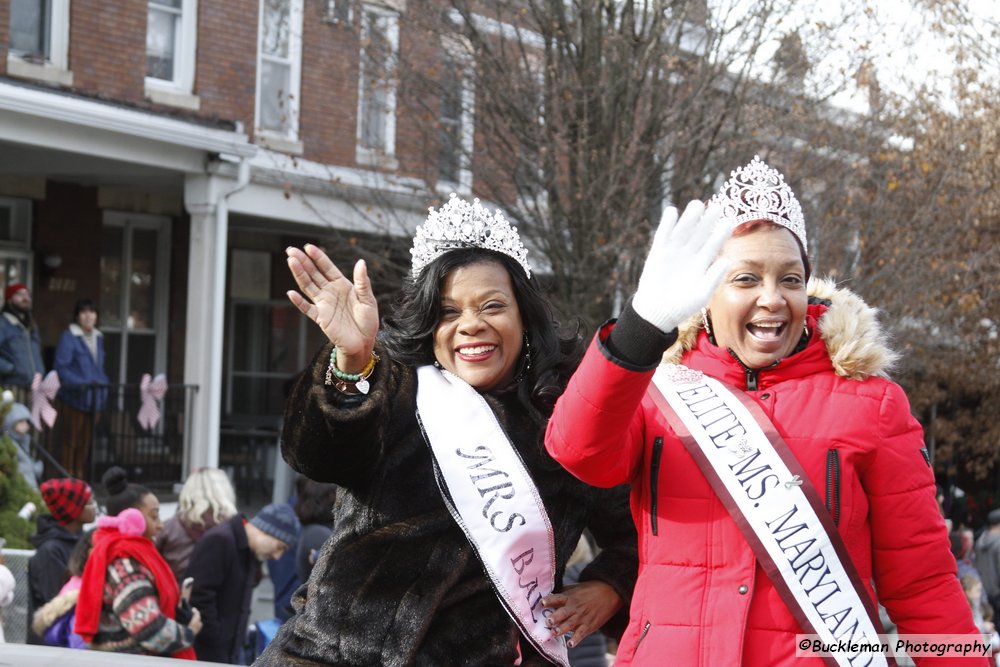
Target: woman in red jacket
{"type": "Point", "coordinates": [778, 478]}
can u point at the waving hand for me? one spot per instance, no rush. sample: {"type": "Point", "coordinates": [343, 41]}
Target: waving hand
{"type": "Point", "coordinates": [683, 267]}
{"type": "Point", "coordinates": [346, 311]}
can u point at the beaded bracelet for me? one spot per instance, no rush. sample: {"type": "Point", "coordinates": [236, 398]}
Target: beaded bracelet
{"type": "Point", "coordinates": [346, 382]}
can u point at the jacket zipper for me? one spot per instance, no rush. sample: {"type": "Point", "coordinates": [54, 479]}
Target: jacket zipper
{"type": "Point", "coordinates": [654, 479]}
{"type": "Point", "coordinates": [642, 636]}
{"type": "Point", "coordinates": [833, 484]}
{"type": "Point", "coordinates": [751, 373]}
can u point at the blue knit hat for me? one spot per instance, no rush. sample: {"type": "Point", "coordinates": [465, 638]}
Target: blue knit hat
{"type": "Point", "coordinates": [279, 521]}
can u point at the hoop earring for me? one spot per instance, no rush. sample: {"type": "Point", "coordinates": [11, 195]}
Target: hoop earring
{"type": "Point", "coordinates": [527, 360]}
{"type": "Point", "coordinates": [805, 329]}
{"type": "Point", "coordinates": [707, 323]}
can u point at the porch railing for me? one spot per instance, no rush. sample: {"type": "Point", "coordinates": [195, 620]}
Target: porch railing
{"type": "Point", "coordinates": [103, 419]}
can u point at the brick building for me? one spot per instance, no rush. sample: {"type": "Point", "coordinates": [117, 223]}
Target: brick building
{"type": "Point", "coordinates": [159, 156]}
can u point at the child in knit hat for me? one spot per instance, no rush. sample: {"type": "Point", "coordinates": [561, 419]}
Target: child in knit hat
{"type": "Point", "coordinates": [71, 506]}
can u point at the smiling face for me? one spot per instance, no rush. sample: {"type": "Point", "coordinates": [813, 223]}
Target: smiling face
{"type": "Point", "coordinates": [759, 309]}
{"type": "Point", "coordinates": [87, 319]}
{"type": "Point", "coordinates": [480, 333]}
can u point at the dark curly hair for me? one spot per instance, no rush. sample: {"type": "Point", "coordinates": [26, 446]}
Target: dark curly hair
{"type": "Point", "coordinates": [408, 334]}
{"type": "Point", "coordinates": [122, 494]}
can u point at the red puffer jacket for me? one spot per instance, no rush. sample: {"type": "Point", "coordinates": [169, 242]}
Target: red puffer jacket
{"type": "Point", "coordinates": [701, 598]}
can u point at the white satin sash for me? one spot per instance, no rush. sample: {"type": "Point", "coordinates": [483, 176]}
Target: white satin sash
{"type": "Point", "coordinates": [778, 510]}
{"type": "Point", "coordinates": [491, 495]}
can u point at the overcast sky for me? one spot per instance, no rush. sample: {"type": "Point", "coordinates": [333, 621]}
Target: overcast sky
{"type": "Point", "coordinates": [895, 37]}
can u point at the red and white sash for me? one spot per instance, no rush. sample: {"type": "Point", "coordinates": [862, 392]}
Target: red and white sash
{"type": "Point", "coordinates": [779, 512]}
{"type": "Point", "coordinates": [489, 492]}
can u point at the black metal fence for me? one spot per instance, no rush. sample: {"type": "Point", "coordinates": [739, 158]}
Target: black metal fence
{"type": "Point", "coordinates": [99, 426]}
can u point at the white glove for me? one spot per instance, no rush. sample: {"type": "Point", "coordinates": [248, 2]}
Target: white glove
{"type": "Point", "coordinates": [683, 267]}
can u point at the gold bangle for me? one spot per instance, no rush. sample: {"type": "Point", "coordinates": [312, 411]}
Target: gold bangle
{"type": "Point", "coordinates": [369, 367]}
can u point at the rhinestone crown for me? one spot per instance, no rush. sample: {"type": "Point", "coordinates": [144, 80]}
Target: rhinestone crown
{"type": "Point", "coordinates": [459, 224]}
{"type": "Point", "coordinates": [759, 192]}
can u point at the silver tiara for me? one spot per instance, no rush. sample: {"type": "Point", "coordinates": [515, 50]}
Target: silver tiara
{"type": "Point", "coordinates": [759, 192]}
{"type": "Point", "coordinates": [459, 224]}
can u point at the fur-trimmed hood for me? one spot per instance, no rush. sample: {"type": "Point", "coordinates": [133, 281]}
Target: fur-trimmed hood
{"type": "Point", "coordinates": [857, 344]}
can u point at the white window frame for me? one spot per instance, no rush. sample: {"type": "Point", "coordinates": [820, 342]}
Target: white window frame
{"type": "Point", "coordinates": [286, 142]}
{"type": "Point", "coordinates": [364, 155]}
{"type": "Point", "coordinates": [460, 53]}
{"type": "Point", "coordinates": [55, 69]}
{"type": "Point", "coordinates": [179, 91]}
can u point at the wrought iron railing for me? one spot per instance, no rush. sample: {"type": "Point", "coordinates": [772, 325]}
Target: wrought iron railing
{"type": "Point", "coordinates": [103, 420]}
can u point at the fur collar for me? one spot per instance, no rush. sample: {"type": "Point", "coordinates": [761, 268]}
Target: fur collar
{"type": "Point", "coordinates": [53, 610]}
{"type": "Point", "coordinates": [77, 330]}
{"type": "Point", "coordinates": [857, 344]}
{"type": "Point", "coordinates": [14, 319]}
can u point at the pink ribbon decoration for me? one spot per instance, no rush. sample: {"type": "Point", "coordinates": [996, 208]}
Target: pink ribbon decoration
{"type": "Point", "coordinates": [43, 391]}
{"type": "Point", "coordinates": [151, 390]}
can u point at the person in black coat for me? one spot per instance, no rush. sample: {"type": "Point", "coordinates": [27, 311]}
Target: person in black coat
{"type": "Point", "coordinates": [71, 504]}
{"type": "Point", "coordinates": [314, 507]}
{"type": "Point", "coordinates": [225, 566]}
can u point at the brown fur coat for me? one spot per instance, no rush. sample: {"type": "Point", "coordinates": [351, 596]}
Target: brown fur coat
{"type": "Point", "coordinates": [398, 583]}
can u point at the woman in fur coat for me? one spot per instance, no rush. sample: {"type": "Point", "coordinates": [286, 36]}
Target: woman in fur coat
{"type": "Point", "coordinates": [452, 524]}
{"type": "Point", "coordinates": [779, 482]}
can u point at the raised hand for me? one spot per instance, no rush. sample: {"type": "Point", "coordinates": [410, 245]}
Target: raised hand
{"type": "Point", "coordinates": [683, 267]}
{"type": "Point", "coordinates": [346, 311]}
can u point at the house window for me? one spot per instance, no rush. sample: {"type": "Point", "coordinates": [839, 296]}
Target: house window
{"type": "Point", "coordinates": [39, 40]}
{"type": "Point", "coordinates": [377, 86]}
{"type": "Point", "coordinates": [15, 222]}
{"type": "Point", "coordinates": [170, 44]}
{"type": "Point", "coordinates": [456, 122]}
{"type": "Point", "coordinates": [15, 241]}
{"type": "Point", "coordinates": [268, 343]}
{"type": "Point", "coordinates": [162, 37]}
{"type": "Point", "coordinates": [339, 11]}
{"type": "Point", "coordinates": [279, 68]}
{"type": "Point", "coordinates": [31, 28]}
